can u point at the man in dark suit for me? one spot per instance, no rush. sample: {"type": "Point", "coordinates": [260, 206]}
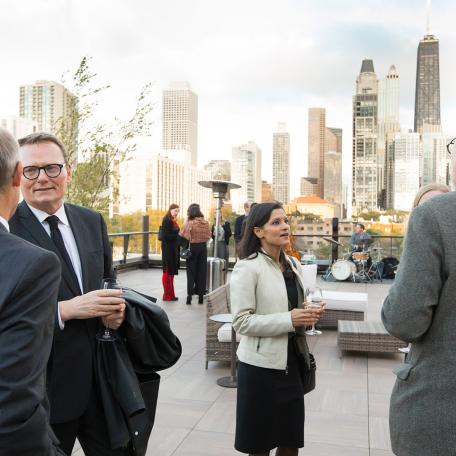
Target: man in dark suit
{"type": "Point", "coordinates": [29, 278]}
{"type": "Point", "coordinates": [79, 237]}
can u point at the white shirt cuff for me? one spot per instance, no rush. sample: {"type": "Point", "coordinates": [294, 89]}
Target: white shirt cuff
{"type": "Point", "coordinates": [61, 323]}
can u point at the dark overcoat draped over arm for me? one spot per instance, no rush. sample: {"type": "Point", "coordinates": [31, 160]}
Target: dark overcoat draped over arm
{"type": "Point", "coordinates": [170, 246]}
{"type": "Point", "coordinates": [127, 371]}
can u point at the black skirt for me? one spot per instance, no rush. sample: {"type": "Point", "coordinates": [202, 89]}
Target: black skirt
{"type": "Point", "coordinates": [270, 407]}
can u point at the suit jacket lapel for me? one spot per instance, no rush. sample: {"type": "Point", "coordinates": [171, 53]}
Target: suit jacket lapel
{"type": "Point", "coordinates": [80, 234]}
{"type": "Point", "coordinates": [38, 233]}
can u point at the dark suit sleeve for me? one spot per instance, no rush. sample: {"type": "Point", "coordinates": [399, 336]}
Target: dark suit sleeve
{"type": "Point", "coordinates": [107, 251]}
{"type": "Point", "coordinates": [237, 228]}
{"type": "Point", "coordinates": [26, 329]}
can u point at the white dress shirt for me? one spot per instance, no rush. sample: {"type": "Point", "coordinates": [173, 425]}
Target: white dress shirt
{"type": "Point", "coordinates": [68, 239]}
{"type": "Point", "coordinates": [4, 223]}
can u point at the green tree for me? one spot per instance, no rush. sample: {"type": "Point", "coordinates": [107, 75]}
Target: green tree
{"type": "Point", "coordinates": [370, 215]}
{"type": "Point", "coordinates": [95, 149]}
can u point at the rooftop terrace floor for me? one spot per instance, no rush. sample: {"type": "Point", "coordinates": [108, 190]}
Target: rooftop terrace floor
{"type": "Point", "coordinates": [346, 415]}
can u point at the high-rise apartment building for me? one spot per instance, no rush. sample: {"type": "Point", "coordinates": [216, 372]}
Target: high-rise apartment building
{"type": "Point", "coordinates": [435, 158]}
{"type": "Point", "coordinates": [387, 127]}
{"type": "Point", "coordinates": [281, 164]}
{"type": "Point", "coordinates": [48, 103]}
{"type": "Point", "coordinates": [155, 182]}
{"type": "Point", "coordinates": [266, 192]}
{"type": "Point", "coordinates": [365, 160]}
{"type": "Point", "coordinates": [246, 171]}
{"type": "Point", "coordinates": [407, 151]}
{"type": "Point", "coordinates": [180, 122]}
{"type": "Point", "coordinates": [427, 90]}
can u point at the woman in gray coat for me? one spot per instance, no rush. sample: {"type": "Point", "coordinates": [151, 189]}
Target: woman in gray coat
{"type": "Point", "coordinates": [421, 308]}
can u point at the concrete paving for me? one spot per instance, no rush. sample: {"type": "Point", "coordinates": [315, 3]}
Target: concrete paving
{"type": "Point", "coordinates": [346, 415]}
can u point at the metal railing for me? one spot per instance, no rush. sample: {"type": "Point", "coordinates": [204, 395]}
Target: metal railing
{"type": "Point", "coordinates": [142, 249]}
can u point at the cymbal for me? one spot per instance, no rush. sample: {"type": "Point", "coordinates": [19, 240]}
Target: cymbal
{"type": "Point", "coordinates": [332, 241]}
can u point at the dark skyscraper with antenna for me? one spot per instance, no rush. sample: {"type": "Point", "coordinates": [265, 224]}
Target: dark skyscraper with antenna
{"type": "Point", "coordinates": [427, 91]}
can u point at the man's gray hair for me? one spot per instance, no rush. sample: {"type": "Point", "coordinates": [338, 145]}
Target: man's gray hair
{"type": "Point", "coordinates": [9, 157]}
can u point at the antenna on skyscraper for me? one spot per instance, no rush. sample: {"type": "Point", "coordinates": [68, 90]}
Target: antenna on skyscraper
{"type": "Point", "coordinates": [428, 17]}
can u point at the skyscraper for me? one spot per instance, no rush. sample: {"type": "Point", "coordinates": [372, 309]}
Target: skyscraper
{"type": "Point", "coordinates": [315, 180]}
{"type": "Point", "coordinates": [427, 90]}
{"type": "Point", "coordinates": [246, 171]}
{"type": "Point", "coordinates": [281, 164]}
{"type": "Point", "coordinates": [388, 126]}
{"type": "Point", "coordinates": [47, 103]}
{"type": "Point", "coordinates": [180, 122]}
{"type": "Point", "coordinates": [333, 168]}
{"type": "Point", "coordinates": [365, 160]}
{"type": "Point", "coordinates": [435, 158]}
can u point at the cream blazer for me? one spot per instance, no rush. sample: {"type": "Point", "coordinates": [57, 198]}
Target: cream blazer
{"type": "Point", "coordinates": [259, 304]}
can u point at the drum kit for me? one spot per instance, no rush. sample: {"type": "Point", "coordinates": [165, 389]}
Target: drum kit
{"type": "Point", "coordinates": [356, 266]}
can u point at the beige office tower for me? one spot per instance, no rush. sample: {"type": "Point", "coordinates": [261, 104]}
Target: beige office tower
{"type": "Point", "coordinates": [180, 123]}
{"type": "Point", "coordinates": [281, 164]}
{"type": "Point", "coordinates": [333, 169]}
{"type": "Point", "coordinates": [314, 183]}
{"type": "Point", "coordinates": [266, 192]}
{"type": "Point", "coordinates": [388, 126]}
{"type": "Point", "coordinates": [246, 171]}
{"type": "Point", "coordinates": [18, 126]}
{"type": "Point", "coordinates": [48, 103]}
{"type": "Point", "coordinates": [365, 172]}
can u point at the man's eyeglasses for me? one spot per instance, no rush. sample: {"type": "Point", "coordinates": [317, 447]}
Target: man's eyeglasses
{"type": "Point", "coordinates": [451, 146]}
{"type": "Point", "coordinates": [51, 170]}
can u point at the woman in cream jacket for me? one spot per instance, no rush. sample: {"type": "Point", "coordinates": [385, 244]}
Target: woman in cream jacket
{"type": "Point", "coordinates": [266, 290]}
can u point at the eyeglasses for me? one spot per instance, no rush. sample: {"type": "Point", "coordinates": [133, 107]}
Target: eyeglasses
{"type": "Point", "coordinates": [51, 170]}
{"type": "Point", "coordinates": [451, 146]}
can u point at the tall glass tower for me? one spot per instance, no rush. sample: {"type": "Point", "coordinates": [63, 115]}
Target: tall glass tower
{"type": "Point", "coordinates": [427, 91]}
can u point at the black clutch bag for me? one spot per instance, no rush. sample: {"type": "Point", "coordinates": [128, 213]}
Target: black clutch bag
{"type": "Point", "coordinates": [185, 254]}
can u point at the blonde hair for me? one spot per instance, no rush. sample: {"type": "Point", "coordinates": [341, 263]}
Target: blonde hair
{"type": "Point", "coordinates": [434, 187]}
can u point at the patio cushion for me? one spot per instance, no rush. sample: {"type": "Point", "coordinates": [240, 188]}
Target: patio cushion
{"type": "Point", "coordinates": [340, 300]}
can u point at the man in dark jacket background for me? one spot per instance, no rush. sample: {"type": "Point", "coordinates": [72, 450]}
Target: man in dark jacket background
{"type": "Point", "coordinates": [239, 222]}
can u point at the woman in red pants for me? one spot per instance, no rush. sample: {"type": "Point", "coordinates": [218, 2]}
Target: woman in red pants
{"type": "Point", "coordinates": [170, 252]}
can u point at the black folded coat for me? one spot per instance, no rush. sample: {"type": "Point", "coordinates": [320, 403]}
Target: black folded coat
{"type": "Point", "coordinates": [126, 371]}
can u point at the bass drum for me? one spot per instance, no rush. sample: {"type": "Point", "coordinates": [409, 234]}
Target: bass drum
{"type": "Point", "coordinates": [389, 267]}
{"type": "Point", "coordinates": [343, 269]}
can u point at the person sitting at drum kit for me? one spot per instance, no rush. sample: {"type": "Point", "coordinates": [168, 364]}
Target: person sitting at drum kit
{"type": "Point", "coordinates": [359, 238]}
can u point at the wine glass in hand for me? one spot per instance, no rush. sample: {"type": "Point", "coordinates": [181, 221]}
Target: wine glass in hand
{"type": "Point", "coordinates": [314, 301]}
{"type": "Point", "coordinates": [106, 335]}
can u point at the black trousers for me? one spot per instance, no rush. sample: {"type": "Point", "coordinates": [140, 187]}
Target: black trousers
{"type": "Point", "coordinates": [91, 431]}
{"type": "Point", "coordinates": [196, 269]}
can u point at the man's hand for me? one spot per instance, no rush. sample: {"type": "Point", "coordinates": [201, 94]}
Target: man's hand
{"type": "Point", "coordinates": [97, 303]}
{"type": "Point", "coordinates": [114, 320]}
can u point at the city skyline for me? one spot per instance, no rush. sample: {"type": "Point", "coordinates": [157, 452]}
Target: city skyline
{"type": "Point", "coordinates": [247, 79]}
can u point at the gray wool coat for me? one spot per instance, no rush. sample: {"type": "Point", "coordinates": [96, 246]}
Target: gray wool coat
{"type": "Point", "coordinates": [421, 308]}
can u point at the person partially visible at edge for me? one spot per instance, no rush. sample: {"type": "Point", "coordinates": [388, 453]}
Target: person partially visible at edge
{"type": "Point", "coordinates": [266, 289]}
{"type": "Point", "coordinates": [28, 301]}
{"type": "Point", "coordinates": [238, 226]}
{"type": "Point", "coordinates": [170, 252]}
{"type": "Point", "coordinates": [358, 236]}
{"type": "Point", "coordinates": [420, 309]}
{"type": "Point", "coordinates": [223, 239]}
{"type": "Point", "coordinates": [79, 238]}
{"type": "Point", "coordinates": [424, 194]}
{"type": "Point", "coordinates": [196, 230]}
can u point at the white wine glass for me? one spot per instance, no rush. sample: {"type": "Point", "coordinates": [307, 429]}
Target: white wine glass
{"type": "Point", "coordinates": [106, 335]}
{"type": "Point", "coordinates": [314, 301]}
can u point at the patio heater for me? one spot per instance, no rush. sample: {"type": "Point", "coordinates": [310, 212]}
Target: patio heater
{"type": "Point", "coordinates": [216, 267]}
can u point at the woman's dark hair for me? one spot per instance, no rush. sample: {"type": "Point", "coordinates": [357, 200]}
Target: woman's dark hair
{"type": "Point", "coordinates": [259, 215]}
{"type": "Point", "coordinates": [194, 211]}
{"type": "Point", "coordinates": [171, 207]}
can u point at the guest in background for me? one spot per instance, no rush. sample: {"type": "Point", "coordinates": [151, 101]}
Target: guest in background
{"type": "Point", "coordinates": [170, 252]}
{"type": "Point", "coordinates": [196, 230]}
{"type": "Point", "coordinates": [223, 239]}
{"type": "Point", "coordinates": [238, 226]}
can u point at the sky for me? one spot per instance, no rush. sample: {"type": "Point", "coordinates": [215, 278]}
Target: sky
{"type": "Point", "coordinates": [252, 63]}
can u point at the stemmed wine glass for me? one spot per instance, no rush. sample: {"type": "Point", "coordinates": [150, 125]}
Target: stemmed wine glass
{"type": "Point", "coordinates": [315, 301]}
{"type": "Point", "coordinates": [106, 335]}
